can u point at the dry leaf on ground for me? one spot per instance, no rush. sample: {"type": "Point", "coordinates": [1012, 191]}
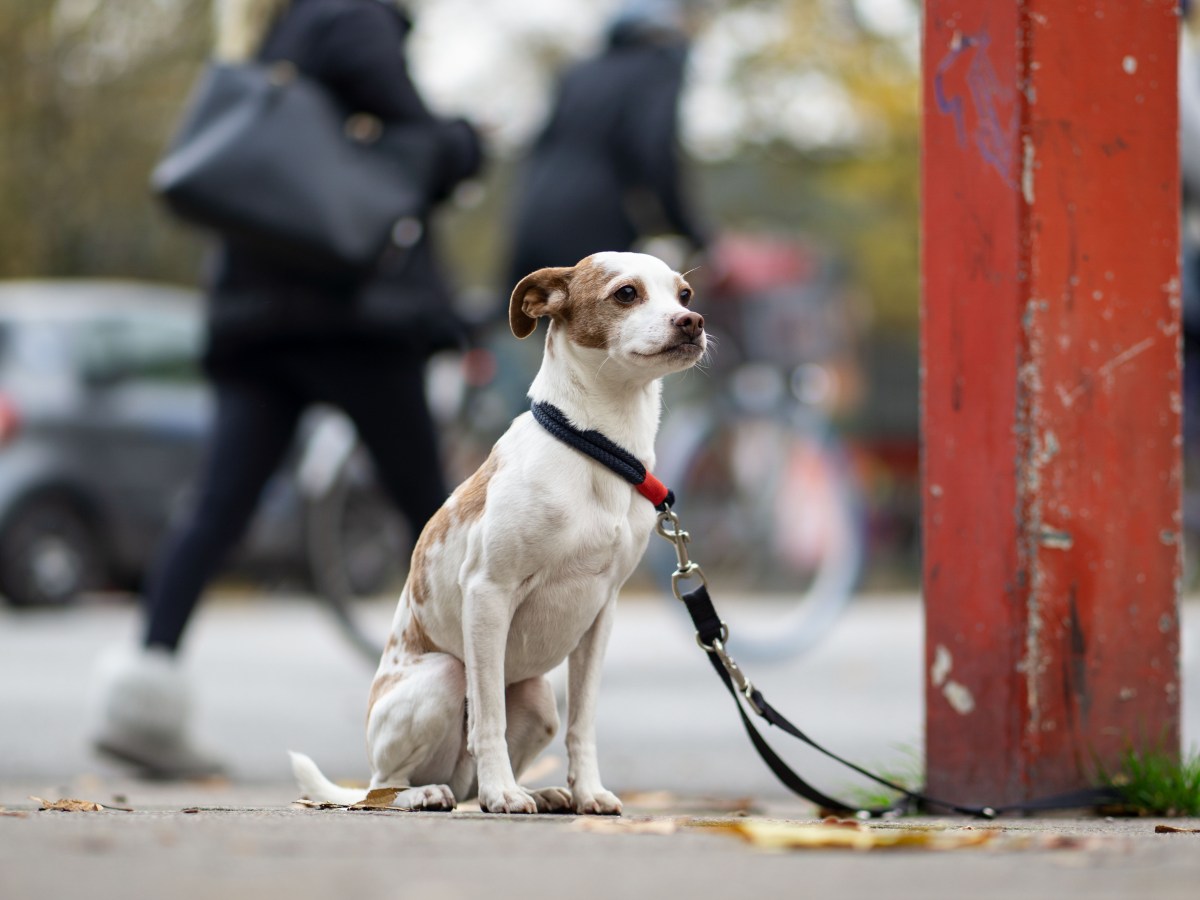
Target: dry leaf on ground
{"type": "Point", "coordinates": [317, 804]}
{"type": "Point", "coordinates": [1171, 829]}
{"type": "Point", "coordinates": [379, 798]}
{"type": "Point", "coordinates": [843, 836]}
{"type": "Point", "coordinates": [67, 805]}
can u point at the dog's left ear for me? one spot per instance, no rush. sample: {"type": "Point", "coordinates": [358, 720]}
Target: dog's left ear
{"type": "Point", "coordinates": [538, 294]}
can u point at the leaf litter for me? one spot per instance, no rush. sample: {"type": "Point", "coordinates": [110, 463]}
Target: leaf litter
{"type": "Point", "coordinates": [73, 805]}
{"type": "Point", "coordinates": [849, 834]}
{"type": "Point", "coordinates": [376, 799]}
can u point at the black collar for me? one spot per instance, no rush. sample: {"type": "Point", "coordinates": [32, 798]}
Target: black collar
{"type": "Point", "coordinates": [604, 451]}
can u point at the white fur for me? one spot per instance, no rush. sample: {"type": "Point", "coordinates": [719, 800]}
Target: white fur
{"type": "Point", "coordinates": [509, 587]}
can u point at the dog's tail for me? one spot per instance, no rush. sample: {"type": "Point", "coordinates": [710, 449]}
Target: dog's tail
{"type": "Point", "coordinates": [316, 786]}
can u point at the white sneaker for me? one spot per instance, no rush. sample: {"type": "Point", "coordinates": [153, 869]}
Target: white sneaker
{"type": "Point", "coordinates": [144, 709]}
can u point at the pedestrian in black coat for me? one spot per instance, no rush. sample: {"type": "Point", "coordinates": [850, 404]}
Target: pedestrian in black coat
{"type": "Point", "coordinates": [281, 338]}
{"type": "Point", "coordinates": [605, 170]}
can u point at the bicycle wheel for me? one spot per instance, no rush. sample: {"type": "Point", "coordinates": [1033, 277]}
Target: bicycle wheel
{"type": "Point", "coordinates": [358, 548]}
{"type": "Point", "coordinates": [774, 515]}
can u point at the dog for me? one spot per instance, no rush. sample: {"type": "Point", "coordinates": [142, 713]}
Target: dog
{"type": "Point", "coordinates": [520, 569]}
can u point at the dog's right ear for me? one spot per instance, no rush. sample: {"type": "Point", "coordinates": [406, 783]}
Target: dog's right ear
{"type": "Point", "coordinates": [538, 294]}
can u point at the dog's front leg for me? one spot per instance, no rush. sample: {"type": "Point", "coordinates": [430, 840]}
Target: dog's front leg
{"type": "Point", "coordinates": [486, 619]}
{"type": "Point", "coordinates": [583, 689]}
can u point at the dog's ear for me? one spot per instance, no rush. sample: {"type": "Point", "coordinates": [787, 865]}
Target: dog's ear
{"type": "Point", "coordinates": [538, 294]}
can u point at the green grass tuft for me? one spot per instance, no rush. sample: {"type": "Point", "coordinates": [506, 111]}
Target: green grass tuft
{"type": "Point", "coordinates": [1156, 784]}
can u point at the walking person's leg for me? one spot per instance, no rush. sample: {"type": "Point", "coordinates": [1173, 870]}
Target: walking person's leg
{"type": "Point", "coordinates": [383, 393]}
{"type": "Point", "coordinates": [144, 699]}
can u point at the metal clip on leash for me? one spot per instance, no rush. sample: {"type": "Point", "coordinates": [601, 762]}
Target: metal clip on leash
{"type": "Point", "coordinates": [685, 570]}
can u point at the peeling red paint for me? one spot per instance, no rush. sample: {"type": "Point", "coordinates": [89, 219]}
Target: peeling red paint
{"type": "Point", "coordinates": [1050, 396]}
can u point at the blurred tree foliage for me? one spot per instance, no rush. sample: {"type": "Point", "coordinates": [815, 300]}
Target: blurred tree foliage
{"type": "Point", "coordinates": [89, 91]}
{"type": "Point", "coordinates": [861, 195]}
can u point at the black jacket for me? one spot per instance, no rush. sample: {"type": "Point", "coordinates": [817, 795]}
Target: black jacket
{"type": "Point", "coordinates": [605, 169]}
{"type": "Point", "coordinates": [355, 48]}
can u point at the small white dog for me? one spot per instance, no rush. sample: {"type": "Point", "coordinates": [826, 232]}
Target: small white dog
{"type": "Point", "coordinates": [521, 567]}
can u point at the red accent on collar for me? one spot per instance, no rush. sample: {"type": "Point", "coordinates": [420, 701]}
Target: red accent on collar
{"type": "Point", "coordinates": [653, 490]}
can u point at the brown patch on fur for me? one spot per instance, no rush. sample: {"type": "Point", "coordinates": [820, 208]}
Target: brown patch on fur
{"type": "Point", "coordinates": [434, 533]}
{"type": "Point", "coordinates": [592, 315]}
{"type": "Point", "coordinates": [416, 640]}
{"type": "Point", "coordinates": [381, 686]}
{"type": "Point", "coordinates": [472, 494]}
{"type": "Point", "coordinates": [466, 505]}
{"type": "Point", "coordinates": [391, 644]}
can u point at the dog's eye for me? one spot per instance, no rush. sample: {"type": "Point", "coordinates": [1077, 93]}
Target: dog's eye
{"type": "Point", "coordinates": [626, 294]}
{"type": "Point", "coordinates": [685, 296]}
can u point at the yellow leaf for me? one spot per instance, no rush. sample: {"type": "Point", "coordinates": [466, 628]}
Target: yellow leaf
{"type": "Point", "coordinates": [792, 836]}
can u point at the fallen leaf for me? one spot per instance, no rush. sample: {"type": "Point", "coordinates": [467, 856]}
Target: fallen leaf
{"type": "Point", "coordinates": [609, 825]}
{"type": "Point", "coordinates": [317, 804]}
{"type": "Point", "coordinates": [379, 798]}
{"type": "Point", "coordinates": [840, 836]}
{"type": "Point", "coordinates": [835, 822]}
{"type": "Point", "coordinates": [1171, 829]}
{"type": "Point", "coordinates": [67, 805]}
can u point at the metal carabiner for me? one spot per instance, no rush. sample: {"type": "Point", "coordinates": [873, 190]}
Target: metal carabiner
{"type": "Point", "coordinates": [676, 535]}
{"type": "Point", "coordinates": [692, 570]}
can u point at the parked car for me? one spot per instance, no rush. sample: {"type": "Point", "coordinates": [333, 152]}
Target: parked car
{"type": "Point", "coordinates": [103, 419]}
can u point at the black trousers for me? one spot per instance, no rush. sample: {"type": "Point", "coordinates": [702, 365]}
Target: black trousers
{"type": "Point", "coordinates": [258, 407]}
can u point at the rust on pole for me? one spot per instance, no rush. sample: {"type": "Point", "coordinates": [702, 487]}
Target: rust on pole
{"type": "Point", "coordinates": [1051, 395]}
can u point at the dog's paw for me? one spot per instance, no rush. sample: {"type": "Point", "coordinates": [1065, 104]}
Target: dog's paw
{"type": "Point", "coordinates": [597, 803]}
{"type": "Point", "coordinates": [554, 800]}
{"type": "Point", "coordinates": [507, 800]}
{"type": "Point", "coordinates": [431, 798]}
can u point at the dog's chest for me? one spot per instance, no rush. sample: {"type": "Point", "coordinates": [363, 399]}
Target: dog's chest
{"type": "Point", "coordinates": [585, 564]}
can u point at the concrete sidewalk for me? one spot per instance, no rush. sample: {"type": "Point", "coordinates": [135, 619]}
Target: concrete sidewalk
{"type": "Point", "coordinates": [273, 674]}
{"type": "Point", "coordinates": [235, 841]}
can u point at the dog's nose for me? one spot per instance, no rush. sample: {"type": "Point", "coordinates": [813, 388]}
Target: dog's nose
{"type": "Point", "coordinates": [690, 323]}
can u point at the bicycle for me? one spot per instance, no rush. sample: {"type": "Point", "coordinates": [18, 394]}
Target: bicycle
{"type": "Point", "coordinates": [358, 543]}
{"type": "Point", "coordinates": [762, 480]}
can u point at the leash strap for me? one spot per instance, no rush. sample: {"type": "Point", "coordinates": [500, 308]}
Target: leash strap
{"type": "Point", "coordinates": [604, 451]}
{"type": "Point", "coordinates": [712, 633]}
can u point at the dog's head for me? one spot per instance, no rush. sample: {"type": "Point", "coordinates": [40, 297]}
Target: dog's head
{"type": "Point", "coordinates": [631, 306]}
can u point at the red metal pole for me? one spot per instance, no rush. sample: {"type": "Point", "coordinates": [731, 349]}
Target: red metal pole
{"type": "Point", "coordinates": [1050, 391]}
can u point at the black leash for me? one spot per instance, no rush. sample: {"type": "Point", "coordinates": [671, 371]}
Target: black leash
{"type": "Point", "coordinates": [712, 634]}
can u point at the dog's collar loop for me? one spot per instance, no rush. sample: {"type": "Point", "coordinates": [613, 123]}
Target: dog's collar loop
{"type": "Point", "coordinates": [604, 451]}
